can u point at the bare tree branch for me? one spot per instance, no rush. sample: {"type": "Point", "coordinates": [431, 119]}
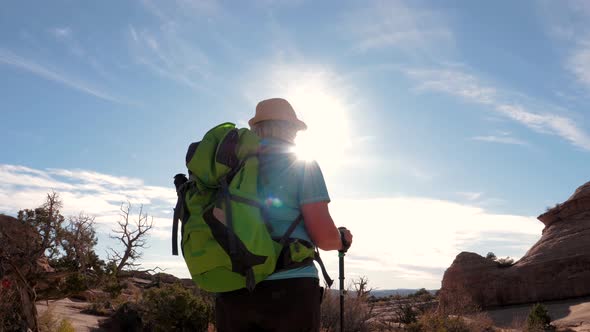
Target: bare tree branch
{"type": "Point", "coordinates": [132, 235]}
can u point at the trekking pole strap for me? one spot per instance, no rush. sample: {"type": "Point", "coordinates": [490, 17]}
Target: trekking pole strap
{"type": "Point", "coordinates": [327, 278]}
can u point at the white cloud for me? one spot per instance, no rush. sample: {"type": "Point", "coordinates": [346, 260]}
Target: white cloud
{"type": "Point", "coordinates": [420, 237]}
{"type": "Point", "coordinates": [413, 239]}
{"type": "Point", "coordinates": [457, 83]}
{"type": "Point", "coordinates": [11, 59]}
{"type": "Point", "coordinates": [92, 192]}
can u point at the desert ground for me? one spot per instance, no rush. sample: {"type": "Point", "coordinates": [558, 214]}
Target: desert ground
{"type": "Point", "coordinates": [568, 315]}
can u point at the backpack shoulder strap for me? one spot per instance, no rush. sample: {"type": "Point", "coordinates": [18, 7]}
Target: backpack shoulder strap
{"type": "Point", "coordinates": [287, 235]}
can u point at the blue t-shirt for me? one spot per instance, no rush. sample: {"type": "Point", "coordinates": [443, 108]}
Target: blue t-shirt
{"type": "Point", "coordinates": [285, 184]}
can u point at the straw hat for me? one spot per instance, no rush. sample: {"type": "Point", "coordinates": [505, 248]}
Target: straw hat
{"type": "Point", "coordinates": [276, 109]}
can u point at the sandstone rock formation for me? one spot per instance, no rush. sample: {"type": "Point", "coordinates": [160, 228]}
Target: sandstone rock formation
{"type": "Point", "coordinates": [19, 254]}
{"type": "Point", "coordinates": [556, 267]}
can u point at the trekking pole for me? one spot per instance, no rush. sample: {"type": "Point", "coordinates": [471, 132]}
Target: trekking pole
{"type": "Point", "coordinates": [341, 254]}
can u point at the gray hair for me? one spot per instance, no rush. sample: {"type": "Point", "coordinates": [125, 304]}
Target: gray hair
{"type": "Point", "coordinates": [283, 130]}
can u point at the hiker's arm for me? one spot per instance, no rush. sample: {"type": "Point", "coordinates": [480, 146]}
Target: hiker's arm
{"type": "Point", "coordinates": [320, 226]}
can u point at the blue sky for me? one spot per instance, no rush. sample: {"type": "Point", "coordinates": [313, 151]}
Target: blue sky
{"type": "Point", "coordinates": [440, 126]}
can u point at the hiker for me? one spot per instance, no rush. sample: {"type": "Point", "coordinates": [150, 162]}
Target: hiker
{"type": "Point", "coordinates": [289, 299]}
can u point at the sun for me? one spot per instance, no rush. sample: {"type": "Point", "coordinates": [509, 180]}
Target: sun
{"type": "Point", "coordinates": [328, 134]}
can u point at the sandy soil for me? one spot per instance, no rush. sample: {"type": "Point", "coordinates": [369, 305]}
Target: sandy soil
{"type": "Point", "coordinates": [66, 308]}
{"type": "Point", "coordinates": [570, 314]}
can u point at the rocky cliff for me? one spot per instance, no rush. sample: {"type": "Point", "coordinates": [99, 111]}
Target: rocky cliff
{"type": "Point", "coordinates": [556, 267]}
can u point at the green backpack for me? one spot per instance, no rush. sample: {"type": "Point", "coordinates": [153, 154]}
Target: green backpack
{"type": "Point", "coordinates": [225, 239]}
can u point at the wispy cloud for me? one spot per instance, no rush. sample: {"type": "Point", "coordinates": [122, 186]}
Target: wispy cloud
{"type": "Point", "coordinates": [65, 36]}
{"type": "Point", "coordinates": [168, 55]}
{"type": "Point", "coordinates": [468, 87]}
{"type": "Point", "coordinates": [503, 139]}
{"type": "Point", "coordinates": [454, 82]}
{"type": "Point", "coordinates": [172, 49]}
{"type": "Point", "coordinates": [470, 196]}
{"type": "Point", "coordinates": [568, 23]}
{"type": "Point", "coordinates": [10, 59]}
{"type": "Point", "coordinates": [579, 62]}
{"type": "Point", "coordinates": [385, 24]}
{"type": "Point", "coordinates": [171, 10]}
{"type": "Point", "coordinates": [61, 32]}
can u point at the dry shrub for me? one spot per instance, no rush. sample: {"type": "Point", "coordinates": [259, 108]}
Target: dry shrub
{"type": "Point", "coordinates": [11, 318]}
{"type": "Point", "coordinates": [48, 322]}
{"type": "Point", "coordinates": [432, 321]}
{"type": "Point", "coordinates": [458, 301]}
{"type": "Point", "coordinates": [100, 306]}
{"type": "Point", "coordinates": [358, 310]}
{"type": "Point", "coordinates": [480, 322]}
{"type": "Point", "coordinates": [104, 305]}
{"type": "Point", "coordinates": [518, 323]}
{"type": "Point", "coordinates": [435, 321]}
{"type": "Point", "coordinates": [65, 326]}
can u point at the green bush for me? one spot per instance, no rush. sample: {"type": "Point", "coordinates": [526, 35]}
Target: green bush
{"type": "Point", "coordinates": [406, 314]}
{"type": "Point", "coordinates": [169, 308]}
{"type": "Point", "coordinates": [127, 318]}
{"type": "Point", "coordinates": [100, 307]}
{"type": "Point", "coordinates": [505, 262]}
{"type": "Point", "coordinates": [538, 319]}
{"type": "Point", "coordinates": [75, 283]}
{"type": "Point", "coordinates": [174, 308]}
{"type": "Point", "coordinates": [113, 287]}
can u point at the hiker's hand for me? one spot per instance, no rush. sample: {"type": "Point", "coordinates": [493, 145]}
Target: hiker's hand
{"type": "Point", "coordinates": [345, 237]}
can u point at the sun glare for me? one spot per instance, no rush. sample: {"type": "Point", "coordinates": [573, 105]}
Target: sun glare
{"type": "Point", "coordinates": [328, 133]}
{"type": "Point", "coordinates": [320, 98]}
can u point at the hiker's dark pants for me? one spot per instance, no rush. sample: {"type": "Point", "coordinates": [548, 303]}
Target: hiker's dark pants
{"type": "Point", "coordinates": [288, 305]}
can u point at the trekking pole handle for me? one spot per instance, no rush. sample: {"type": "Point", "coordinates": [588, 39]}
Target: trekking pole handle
{"type": "Point", "coordinates": [345, 243]}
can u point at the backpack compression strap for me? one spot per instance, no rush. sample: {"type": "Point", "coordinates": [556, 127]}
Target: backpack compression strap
{"type": "Point", "coordinates": [285, 238]}
{"type": "Point", "coordinates": [179, 183]}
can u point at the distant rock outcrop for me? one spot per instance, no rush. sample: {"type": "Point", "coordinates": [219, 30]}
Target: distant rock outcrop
{"type": "Point", "coordinates": [556, 267]}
